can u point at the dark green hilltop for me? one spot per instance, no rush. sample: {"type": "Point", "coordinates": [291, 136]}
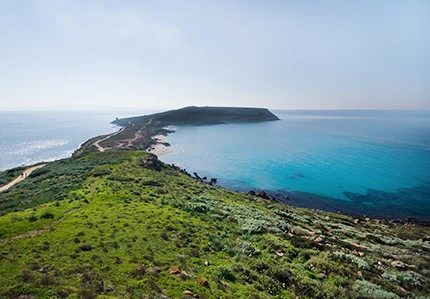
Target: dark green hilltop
{"type": "Point", "coordinates": [115, 222]}
{"type": "Point", "coordinates": [203, 116]}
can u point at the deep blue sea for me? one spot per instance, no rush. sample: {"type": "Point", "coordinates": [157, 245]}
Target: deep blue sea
{"type": "Point", "coordinates": [31, 137]}
{"type": "Point", "coordinates": [373, 163]}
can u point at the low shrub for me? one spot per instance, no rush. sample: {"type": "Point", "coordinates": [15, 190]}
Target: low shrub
{"type": "Point", "coordinates": [226, 273]}
{"type": "Point", "coordinates": [366, 289]}
{"type": "Point", "coordinates": [47, 215]}
{"type": "Point", "coordinates": [32, 218]}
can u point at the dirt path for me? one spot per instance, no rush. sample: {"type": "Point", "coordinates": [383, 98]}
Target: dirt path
{"type": "Point", "coordinates": [137, 135]}
{"type": "Point", "coordinates": [99, 147]}
{"type": "Point", "coordinates": [22, 177]}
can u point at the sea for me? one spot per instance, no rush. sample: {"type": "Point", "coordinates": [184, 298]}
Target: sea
{"type": "Point", "coordinates": [30, 137]}
{"type": "Point", "coordinates": [365, 163]}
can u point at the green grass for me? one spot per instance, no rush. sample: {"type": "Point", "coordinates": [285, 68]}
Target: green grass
{"type": "Point", "coordinates": [120, 231]}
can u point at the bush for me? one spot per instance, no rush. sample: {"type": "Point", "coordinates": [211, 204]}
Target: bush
{"type": "Point", "coordinates": [46, 279]}
{"type": "Point", "coordinates": [47, 215]}
{"type": "Point", "coordinates": [412, 280]}
{"type": "Point", "coordinates": [87, 294]}
{"type": "Point", "coordinates": [366, 289]}
{"type": "Point", "coordinates": [226, 273]}
{"type": "Point", "coordinates": [32, 218]}
{"type": "Point", "coordinates": [248, 249]}
{"type": "Point", "coordinates": [26, 276]}
{"type": "Point", "coordinates": [86, 247]}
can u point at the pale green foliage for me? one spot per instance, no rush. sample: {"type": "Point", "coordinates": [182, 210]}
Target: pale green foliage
{"type": "Point", "coordinates": [366, 289]}
{"type": "Point", "coordinates": [360, 262]}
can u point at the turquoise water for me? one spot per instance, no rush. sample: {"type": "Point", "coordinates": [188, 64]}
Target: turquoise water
{"type": "Point", "coordinates": [374, 163]}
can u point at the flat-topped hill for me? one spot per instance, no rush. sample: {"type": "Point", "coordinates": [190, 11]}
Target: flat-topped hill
{"type": "Point", "coordinates": [138, 132]}
{"type": "Point", "coordinates": [203, 116]}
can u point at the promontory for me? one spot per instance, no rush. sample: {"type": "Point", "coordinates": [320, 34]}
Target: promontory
{"type": "Point", "coordinates": [137, 132]}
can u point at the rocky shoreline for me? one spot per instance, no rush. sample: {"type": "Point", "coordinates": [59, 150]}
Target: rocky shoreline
{"type": "Point", "coordinates": [148, 133]}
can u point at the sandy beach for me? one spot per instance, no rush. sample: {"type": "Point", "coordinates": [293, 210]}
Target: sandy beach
{"type": "Point", "coordinates": [159, 149]}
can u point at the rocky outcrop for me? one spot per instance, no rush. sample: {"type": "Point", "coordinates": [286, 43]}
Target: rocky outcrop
{"type": "Point", "coordinates": [151, 163]}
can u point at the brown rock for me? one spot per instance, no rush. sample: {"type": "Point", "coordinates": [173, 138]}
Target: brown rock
{"type": "Point", "coordinates": [319, 240]}
{"type": "Point", "coordinates": [356, 221]}
{"type": "Point", "coordinates": [399, 265]}
{"type": "Point", "coordinates": [183, 275]}
{"type": "Point", "coordinates": [426, 239]}
{"type": "Point", "coordinates": [175, 270]}
{"type": "Point", "coordinates": [187, 292]}
{"type": "Point", "coordinates": [203, 282]}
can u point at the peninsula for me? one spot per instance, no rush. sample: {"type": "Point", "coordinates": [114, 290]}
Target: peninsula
{"type": "Point", "coordinates": [137, 132]}
{"type": "Point", "coordinates": [112, 222]}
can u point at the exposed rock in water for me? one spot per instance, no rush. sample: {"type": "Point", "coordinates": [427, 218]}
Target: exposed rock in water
{"type": "Point", "coordinates": [262, 194]}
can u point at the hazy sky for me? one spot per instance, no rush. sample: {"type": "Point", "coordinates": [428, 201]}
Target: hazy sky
{"type": "Point", "coordinates": [167, 54]}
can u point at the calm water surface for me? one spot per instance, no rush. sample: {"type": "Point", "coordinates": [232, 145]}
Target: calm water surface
{"type": "Point", "coordinates": [375, 163]}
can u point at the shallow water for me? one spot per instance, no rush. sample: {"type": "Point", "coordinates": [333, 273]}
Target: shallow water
{"type": "Point", "coordinates": [363, 162]}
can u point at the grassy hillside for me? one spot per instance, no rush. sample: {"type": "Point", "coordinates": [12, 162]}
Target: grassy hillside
{"type": "Point", "coordinates": [121, 224]}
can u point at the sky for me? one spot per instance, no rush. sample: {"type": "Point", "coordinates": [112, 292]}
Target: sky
{"type": "Point", "coordinates": [166, 54]}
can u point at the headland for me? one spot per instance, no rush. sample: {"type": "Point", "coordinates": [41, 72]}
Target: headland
{"type": "Point", "coordinates": [117, 223]}
{"type": "Point", "coordinates": [137, 133]}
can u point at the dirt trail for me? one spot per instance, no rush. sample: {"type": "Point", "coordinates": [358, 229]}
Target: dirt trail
{"type": "Point", "coordinates": [99, 147]}
{"type": "Point", "coordinates": [137, 135]}
{"type": "Point", "coordinates": [22, 177]}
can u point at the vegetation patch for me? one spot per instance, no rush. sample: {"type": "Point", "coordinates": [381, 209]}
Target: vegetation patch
{"type": "Point", "coordinates": [103, 225]}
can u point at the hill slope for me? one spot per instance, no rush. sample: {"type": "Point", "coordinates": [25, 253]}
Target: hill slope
{"type": "Point", "coordinates": [121, 224]}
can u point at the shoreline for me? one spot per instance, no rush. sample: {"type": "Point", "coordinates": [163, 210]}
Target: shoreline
{"type": "Point", "coordinates": [299, 198]}
{"type": "Point", "coordinates": [151, 136]}
{"type": "Point", "coordinates": [161, 147]}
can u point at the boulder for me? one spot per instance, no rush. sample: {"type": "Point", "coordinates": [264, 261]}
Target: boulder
{"type": "Point", "coordinates": [262, 194]}
{"type": "Point", "coordinates": [151, 163]}
{"type": "Point", "coordinates": [174, 270]}
{"type": "Point", "coordinates": [203, 282]}
{"type": "Point", "coordinates": [399, 264]}
{"type": "Point", "coordinates": [319, 240]}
